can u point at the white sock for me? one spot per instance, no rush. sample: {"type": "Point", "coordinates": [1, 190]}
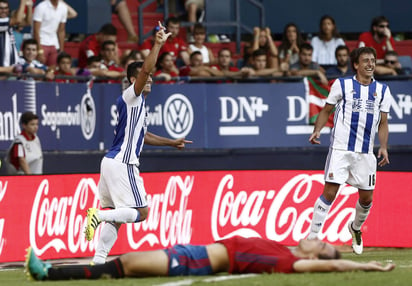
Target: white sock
{"type": "Point", "coordinates": [108, 237]}
{"type": "Point", "coordinates": [361, 215]}
{"type": "Point", "coordinates": [120, 215]}
{"type": "Point", "coordinates": [320, 211]}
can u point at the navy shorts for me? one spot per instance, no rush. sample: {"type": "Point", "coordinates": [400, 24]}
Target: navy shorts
{"type": "Point", "coordinates": [188, 260]}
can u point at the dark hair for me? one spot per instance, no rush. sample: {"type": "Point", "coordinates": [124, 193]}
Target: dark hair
{"type": "Point", "coordinates": [107, 43]}
{"type": "Point", "coordinates": [336, 255]}
{"type": "Point", "coordinates": [355, 54]}
{"type": "Point", "coordinates": [335, 33]}
{"type": "Point", "coordinates": [108, 29]}
{"type": "Point", "coordinates": [391, 53]}
{"type": "Point", "coordinates": [195, 53]}
{"type": "Point", "coordinates": [160, 59]}
{"type": "Point", "coordinates": [305, 46]}
{"type": "Point", "coordinates": [340, 48]}
{"type": "Point", "coordinates": [377, 21]}
{"type": "Point", "coordinates": [27, 116]}
{"type": "Point", "coordinates": [93, 59]}
{"type": "Point", "coordinates": [63, 55]}
{"type": "Point", "coordinates": [5, 1]}
{"type": "Point", "coordinates": [133, 69]}
{"type": "Point", "coordinates": [172, 20]}
{"type": "Point", "coordinates": [29, 42]}
{"type": "Point", "coordinates": [258, 52]}
{"type": "Point", "coordinates": [285, 45]}
{"type": "Point", "coordinates": [199, 28]}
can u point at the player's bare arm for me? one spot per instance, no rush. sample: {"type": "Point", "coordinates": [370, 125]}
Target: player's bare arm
{"type": "Point", "coordinates": [156, 140]}
{"type": "Point", "coordinates": [150, 61]}
{"type": "Point", "coordinates": [340, 265]}
{"type": "Point", "coordinates": [383, 134]}
{"type": "Point", "coordinates": [320, 123]}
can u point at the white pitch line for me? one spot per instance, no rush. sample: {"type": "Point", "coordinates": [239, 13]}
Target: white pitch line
{"type": "Point", "coordinates": [207, 280]}
{"type": "Point", "coordinates": [177, 283]}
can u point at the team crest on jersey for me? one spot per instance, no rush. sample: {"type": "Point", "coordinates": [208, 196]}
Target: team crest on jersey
{"type": "Point", "coordinates": [375, 94]}
{"type": "Point", "coordinates": [330, 176]}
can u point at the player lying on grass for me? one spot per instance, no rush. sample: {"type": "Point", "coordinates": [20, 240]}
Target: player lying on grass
{"type": "Point", "coordinates": [233, 255]}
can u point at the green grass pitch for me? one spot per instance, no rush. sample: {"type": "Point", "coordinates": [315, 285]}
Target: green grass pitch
{"type": "Point", "coordinates": [401, 275]}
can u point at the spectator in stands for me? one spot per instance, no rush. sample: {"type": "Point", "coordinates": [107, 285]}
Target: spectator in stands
{"type": "Point", "coordinates": [29, 63]}
{"type": "Point", "coordinates": [175, 45]}
{"type": "Point", "coordinates": [343, 67]}
{"type": "Point", "coordinates": [379, 37]}
{"type": "Point", "coordinates": [25, 155]}
{"type": "Point", "coordinates": [97, 69]}
{"type": "Point", "coordinates": [64, 68]}
{"type": "Point", "coordinates": [259, 65]}
{"type": "Point", "coordinates": [120, 8]}
{"type": "Point", "coordinates": [262, 39]}
{"type": "Point", "coordinates": [199, 34]}
{"type": "Point", "coordinates": [109, 56]}
{"type": "Point", "coordinates": [391, 66]}
{"type": "Point", "coordinates": [27, 19]}
{"type": "Point", "coordinates": [325, 43]}
{"type": "Point", "coordinates": [193, 7]}
{"type": "Point", "coordinates": [289, 48]}
{"type": "Point", "coordinates": [8, 50]}
{"type": "Point", "coordinates": [196, 68]}
{"type": "Point", "coordinates": [132, 56]}
{"type": "Point", "coordinates": [306, 66]}
{"type": "Point", "coordinates": [166, 68]}
{"type": "Point", "coordinates": [49, 29]}
{"type": "Point", "coordinates": [225, 64]}
{"type": "Point", "coordinates": [91, 45]}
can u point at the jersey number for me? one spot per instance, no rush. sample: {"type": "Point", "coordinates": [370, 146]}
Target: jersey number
{"type": "Point", "coordinates": [372, 180]}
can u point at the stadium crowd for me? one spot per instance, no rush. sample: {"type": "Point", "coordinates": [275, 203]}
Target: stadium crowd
{"type": "Point", "coordinates": [42, 54]}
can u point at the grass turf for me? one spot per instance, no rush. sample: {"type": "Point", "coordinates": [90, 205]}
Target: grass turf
{"type": "Point", "coordinates": [401, 275]}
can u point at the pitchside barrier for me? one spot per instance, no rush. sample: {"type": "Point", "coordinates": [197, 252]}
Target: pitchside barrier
{"type": "Point", "coordinates": [48, 212]}
{"type": "Point", "coordinates": [82, 116]}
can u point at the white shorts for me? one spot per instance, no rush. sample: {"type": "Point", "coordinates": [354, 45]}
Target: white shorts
{"type": "Point", "coordinates": [120, 185]}
{"type": "Point", "coordinates": [356, 169]}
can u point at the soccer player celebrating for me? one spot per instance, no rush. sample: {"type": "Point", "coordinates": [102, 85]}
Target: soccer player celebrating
{"type": "Point", "coordinates": [362, 106]}
{"type": "Point", "coordinates": [121, 188]}
{"type": "Point", "coordinates": [233, 255]}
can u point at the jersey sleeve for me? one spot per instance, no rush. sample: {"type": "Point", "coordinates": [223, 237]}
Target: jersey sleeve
{"type": "Point", "coordinates": [386, 100]}
{"type": "Point", "coordinates": [335, 93]}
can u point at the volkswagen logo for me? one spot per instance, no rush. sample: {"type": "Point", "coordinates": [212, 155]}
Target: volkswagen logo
{"type": "Point", "coordinates": [178, 115]}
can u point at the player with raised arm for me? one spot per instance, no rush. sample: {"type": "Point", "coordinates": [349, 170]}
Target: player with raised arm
{"type": "Point", "coordinates": [121, 188]}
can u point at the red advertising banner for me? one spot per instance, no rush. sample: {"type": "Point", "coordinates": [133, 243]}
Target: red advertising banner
{"type": "Point", "coordinates": [48, 212]}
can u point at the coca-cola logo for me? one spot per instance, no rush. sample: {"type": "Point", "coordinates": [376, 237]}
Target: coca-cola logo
{"type": "Point", "coordinates": [283, 213]}
{"type": "Point", "coordinates": [169, 221]}
{"type": "Point", "coordinates": [3, 189]}
{"type": "Point", "coordinates": [62, 219]}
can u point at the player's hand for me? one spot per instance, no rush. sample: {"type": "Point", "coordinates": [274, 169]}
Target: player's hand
{"type": "Point", "coordinates": [161, 35]}
{"type": "Point", "coordinates": [181, 143]}
{"type": "Point", "coordinates": [314, 137]}
{"type": "Point", "coordinates": [377, 266]}
{"type": "Point", "coordinates": [383, 153]}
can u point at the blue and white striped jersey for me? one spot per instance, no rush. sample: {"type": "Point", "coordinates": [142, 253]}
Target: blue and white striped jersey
{"type": "Point", "coordinates": [130, 129]}
{"type": "Point", "coordinates": [8, 50]}
{"type": "Point", "coordinates": [357, 113]}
